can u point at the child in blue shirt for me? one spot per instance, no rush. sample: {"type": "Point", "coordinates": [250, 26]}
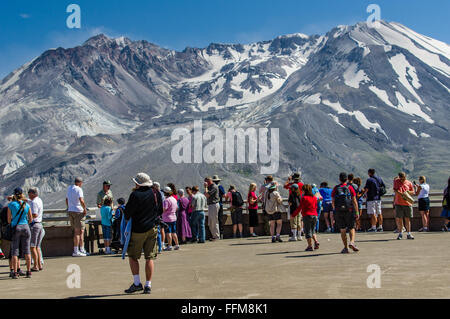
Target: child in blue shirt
{"type": "Point", "coordinates": [325, 192]}
{"type": "Point", "coordinates": [106, 212]}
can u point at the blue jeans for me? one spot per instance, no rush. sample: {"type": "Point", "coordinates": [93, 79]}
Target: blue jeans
{"type": "Point", "coordinates": [158, 239]}
{"type": "Point", "coordinates": [198, 225]}
{"type": "Point", "coordinates": [319, 211]}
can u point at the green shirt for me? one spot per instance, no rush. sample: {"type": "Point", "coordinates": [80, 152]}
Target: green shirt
{"type": "Point", "coordinates": [101, 196]}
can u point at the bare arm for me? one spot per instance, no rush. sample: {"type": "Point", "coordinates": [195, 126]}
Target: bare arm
{"type": "Point", "coordinates": [30, 216]}
{"type": "Point", "coordinates": [83, 204]}
{"type": "Point", "coordinates": [355, 205]}
{"type": "Point", "coordinates": [9, 216]}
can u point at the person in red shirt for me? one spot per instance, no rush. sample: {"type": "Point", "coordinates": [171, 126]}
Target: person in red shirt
{"type": "Point", "coordinates": [403, 207]}
{"type": "Point", "coordinates": [346, 211]}
{"type": "Point", "coordinates": [294, 179]}
{"type": "Point", "coordinates": [308, 209]}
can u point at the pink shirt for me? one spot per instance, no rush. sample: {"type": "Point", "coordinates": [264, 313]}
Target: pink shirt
{"type": "Point", "coordinates": [402, 187]}
{"type": "Point", "coordinates": [170, 210]}
{"type": "Point", "coordinates": [255, 204]}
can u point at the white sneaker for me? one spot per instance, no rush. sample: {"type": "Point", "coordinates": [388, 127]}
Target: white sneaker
{"type": "Point", "coordinates": [300, 238]}
{"type": "Point", "coordinates": [83, 251]}
{"type": "Point", "coordinates": [78, 254]}
{"type": "Point", "coordinates": [293, 238]}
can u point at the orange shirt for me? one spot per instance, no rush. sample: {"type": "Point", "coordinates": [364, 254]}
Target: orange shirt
{"type": "Point", "coordinates": [402, 187]}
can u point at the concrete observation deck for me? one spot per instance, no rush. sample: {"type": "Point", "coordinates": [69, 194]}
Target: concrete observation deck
{"type": "Point", "coordinates": [256, 268]}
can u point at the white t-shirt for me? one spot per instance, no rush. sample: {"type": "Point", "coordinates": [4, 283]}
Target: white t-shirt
{"type": "Point", "coordinates": [37, 207]}
{"type": "Point", "coordinates": [425, 191]}
{"type": "Point", "coordinates": [74, 193]}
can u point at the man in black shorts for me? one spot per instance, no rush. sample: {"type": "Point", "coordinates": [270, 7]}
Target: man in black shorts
{"type": "Point", "coordinates": [345, 211]}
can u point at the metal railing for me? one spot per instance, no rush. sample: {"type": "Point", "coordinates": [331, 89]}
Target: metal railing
{"type": "Point", "coordinates": [59, 217]}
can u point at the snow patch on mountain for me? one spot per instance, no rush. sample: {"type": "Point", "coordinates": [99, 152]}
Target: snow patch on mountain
{"type": "Point", "coordinates": [382, 95]}
{"type": "Point", "coordinates": [413, 132]}
{"type": "Point", "coordinates": [353, 77]}
{"type": "Point", "coordinates": [404, 71]}
{"type": "Point", "coordinates": [409, 107]}
{"type": "Point", "coordinates": [391, 36]}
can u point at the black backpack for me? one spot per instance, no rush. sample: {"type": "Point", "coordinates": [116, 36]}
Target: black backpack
{"type": "Point", "coordinates": [381, 187]}
{"type": "Point", "coordinates": [343, 198]}
{"type": "Point", "coordinates": [236, 199]}
{"type": "Point", "coordinates": [4, 216]}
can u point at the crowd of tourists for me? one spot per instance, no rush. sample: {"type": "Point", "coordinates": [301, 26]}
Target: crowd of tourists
{"type": "Point", "coordinates": [159, 219]}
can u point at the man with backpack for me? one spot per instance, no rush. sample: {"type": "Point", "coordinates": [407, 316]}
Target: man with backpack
{"type": "Point", "coordinates": [374, 190]}
{"type": "Point", "coordinates": [217, 181]}
{"type": "Point", "coordinates": [236, 211]}
{"type": "Point", "coordinates": [345, 211]}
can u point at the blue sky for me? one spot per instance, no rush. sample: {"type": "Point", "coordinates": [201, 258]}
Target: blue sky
{"type": "Point", "coordinates": [29, 27]}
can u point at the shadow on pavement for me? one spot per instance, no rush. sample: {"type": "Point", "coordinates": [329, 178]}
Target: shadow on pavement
{"type": "Point", "coordinates": [97, 296]}
{"type": "Point", "coordinates": [279, 253]}
{"type": "Point", "coordinates": [375, 240]}
{"type": "Point", "coordinates": [251, 244]}
{"type": "Point", "coordinates": [314, 255]}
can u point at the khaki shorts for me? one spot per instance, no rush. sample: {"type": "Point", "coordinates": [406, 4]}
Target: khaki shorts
{"type": "Point", "coordinates": [403, 211]}
{"type": "Point", "coordinates": [77, 220]}
{"type": "Point", "coordinates": [143, 241]}
{"type": "Point", "coordinates": [296, 222]}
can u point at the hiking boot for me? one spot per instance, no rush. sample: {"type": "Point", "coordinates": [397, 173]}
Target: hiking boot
{"type": "Point", "coordinates": [292, 238]}
{"type": "Point", "coordinates": [309, 249]}
{"type": "Point", "coordinates": [409, 236]}
{"type": "Point", "coordinates": [274, 240]}
{"type": "Point", "coordinates": [133, 288]}
{"type": "Point", "coordinates": [353, 247]}
{"type": "Point", "coordinates": [344, 251]}
{"type": "Point", "coordinates": [400, 236]}
{"type": "Point", "coordinates": [147, 290]}
{"type": "Point", "coordinates": [279, 239]}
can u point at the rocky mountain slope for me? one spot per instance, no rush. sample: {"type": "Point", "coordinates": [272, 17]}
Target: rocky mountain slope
{"type": "Point", "coordinates": [353, 98]}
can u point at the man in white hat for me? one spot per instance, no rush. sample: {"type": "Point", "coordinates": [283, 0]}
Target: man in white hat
{"type": "Point", "coordinates": [144, 209]}
{"type": "Point", "coordinates": [217, 181]}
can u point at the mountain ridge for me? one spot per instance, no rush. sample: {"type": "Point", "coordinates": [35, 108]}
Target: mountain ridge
{"type": "Point", "coordinates": [353, 97]}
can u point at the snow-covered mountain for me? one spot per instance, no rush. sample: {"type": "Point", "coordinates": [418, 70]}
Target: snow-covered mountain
{"type": "Point", "coordinates": [353, 98]}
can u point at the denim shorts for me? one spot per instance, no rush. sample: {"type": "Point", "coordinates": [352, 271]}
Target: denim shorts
{"type": "Point", "coordinates": [172, 228]}
{"type": "Point", "coordinates": [327, 207]}
{"type": "Point", "coordinates": [106, 232]}
{"type": "Point", "coordinates": [445, 213]}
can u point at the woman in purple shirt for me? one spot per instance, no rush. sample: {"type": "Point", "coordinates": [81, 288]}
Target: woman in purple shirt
{"type": "Point", "coordinates": [183, 227]}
